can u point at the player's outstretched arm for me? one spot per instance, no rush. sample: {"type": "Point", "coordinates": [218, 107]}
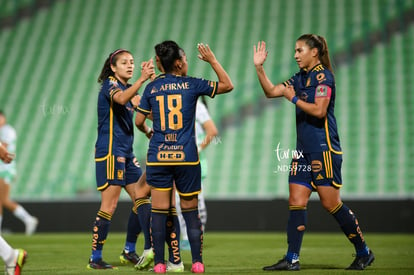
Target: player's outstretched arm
{"type": "Point", "coordinates": [317, 109]}
{"type": "Point", "coordinates": [225, 84]}
{"type": "Point", "coordinates": [259, 57]}
{"type": "Point", "coordinates": [147, 70]}
{"type": "Point", "coordinates": [142, 126]}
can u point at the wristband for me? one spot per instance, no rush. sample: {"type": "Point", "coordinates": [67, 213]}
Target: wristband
{"type": "Point", "coordinates": [295, 99]}
{"type": "Point", "coordinates": [149, 130]}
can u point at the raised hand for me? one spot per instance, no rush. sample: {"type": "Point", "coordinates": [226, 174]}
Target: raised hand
{"type": "Point", "coordinates": [260, 53]}
{"type": "Point", "coordinates": [147, 69]}
{"type": "Point", "coordinates": [205, 53]}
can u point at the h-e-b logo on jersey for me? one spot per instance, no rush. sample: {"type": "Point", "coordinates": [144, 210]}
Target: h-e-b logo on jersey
{"type": "Point", "coordinates": [170, 156]}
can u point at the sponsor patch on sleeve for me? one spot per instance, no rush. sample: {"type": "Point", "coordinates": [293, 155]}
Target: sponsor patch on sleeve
{"type": "Point", "coordinates": [323, 91]}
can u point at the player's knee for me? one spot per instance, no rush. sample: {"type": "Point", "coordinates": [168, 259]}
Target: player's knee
{"type": "Point", "coordinates": [301, 228]}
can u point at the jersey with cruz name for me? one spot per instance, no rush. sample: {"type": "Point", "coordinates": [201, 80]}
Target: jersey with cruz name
{"type": "Point", "coordinates": [172, 101]}
{"type": "Point", "coordinates": [115, 122]}
{"type": "Point", "coordinates": [315, 134]}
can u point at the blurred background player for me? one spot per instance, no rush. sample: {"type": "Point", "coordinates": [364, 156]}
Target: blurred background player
{"type": "Point", "coordinates": [172, 154]}
{"type": "Point", "coordinates": [205, 131]}
{"type": "Point", "coordinates": [13, 258]}
{"type": "Point", "coordinates": [8, 138]}
{"type": "Point", "coordinates": [312, 91]}
{"type": "Point", "coordinates": [116, 165]}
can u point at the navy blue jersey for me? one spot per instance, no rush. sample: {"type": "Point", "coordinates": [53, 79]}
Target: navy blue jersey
{"type": "Point", "coordinates": [172, 101]}
{"type": "Point", "coordinates": [315, 134]}
{"type": "Point", "coordinates": [115, 122]}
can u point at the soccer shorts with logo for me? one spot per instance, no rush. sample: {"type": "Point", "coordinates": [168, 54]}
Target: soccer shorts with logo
{"type": "Point", "coordinates": [187, 178]}
{"type": "Point", "coordinates": [116, 170]}
{"type": "Point", "coordinates": [317, 169]}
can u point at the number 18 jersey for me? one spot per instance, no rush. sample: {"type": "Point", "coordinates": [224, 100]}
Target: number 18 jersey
{"type": "Point", "coordinates": [172, 100]}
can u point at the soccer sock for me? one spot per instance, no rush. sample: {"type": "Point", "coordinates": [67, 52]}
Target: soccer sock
{"type": "Point", "coordinates": [21, 213]}
{"type": "Point", "coordinates": [173, 236]}
{"type": "Point", "coordinates": [194, 232]}
{"type": "Point", "coordinates": [6, 252]}
{"type": "Point", "coordinates": [349, 225]}
{"type": "Point", "coordinates": [202, 209]}
{"type": "Point", "coordinates": [295, 230]}
{"type": "Point", "coordinates": [143, 206]}
{"type": "Point", "coordinates": [133, 230]}
{"type": "Point", "coordinates": [100, 232]}
{"type": "Point", "coordinates": [158, 228]}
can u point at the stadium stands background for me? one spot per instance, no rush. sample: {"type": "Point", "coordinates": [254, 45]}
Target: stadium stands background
{"type": "Point", "coordinates": [52, 52]}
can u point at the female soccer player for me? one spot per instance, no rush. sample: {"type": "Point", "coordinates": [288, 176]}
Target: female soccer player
{"type": "Point", "coordinates": [7, 175]}
{"type": "Point", "coordinates": [116, 165]}
{"type": "Point", "coordinates": [172, 154]}
{"type": "Point", "coordinates": [318, 168]}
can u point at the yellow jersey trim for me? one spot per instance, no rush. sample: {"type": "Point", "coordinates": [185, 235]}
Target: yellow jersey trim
{"type": "Point", "coordinates": [103, 187]}
{"type": "Point", "coordinates": [111, 133]}
{"type": "Point", "coordinates": [172, 163]}
{"type": "Point", "coordinates": [214, 89]}
{"type": "Point", "coordinates": [329, 140]}
{"type": "Point", "coordinates": [143, 110]}
{"type": "Point", "coordinates": [189, 194]}
{"type": "Point", "coordinates": [163, 189]}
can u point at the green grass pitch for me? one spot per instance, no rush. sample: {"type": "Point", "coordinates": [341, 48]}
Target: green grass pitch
{"type": "Point", "coordinates": [224, 253]}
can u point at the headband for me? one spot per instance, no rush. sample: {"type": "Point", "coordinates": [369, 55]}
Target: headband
{"type": "Point", "coordinates": [115, 53]}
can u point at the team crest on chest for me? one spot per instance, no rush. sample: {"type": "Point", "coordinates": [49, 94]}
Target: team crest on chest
{"type": "Point", "coordinates": [320, 77]}
{"type": "Point", "coordinates": [304, 96]}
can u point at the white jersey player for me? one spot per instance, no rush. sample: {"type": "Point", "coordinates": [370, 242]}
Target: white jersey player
{"type": "Point", "coordinates": [205, 131]}
{"type": "Point", "coordinates": [8, 139]}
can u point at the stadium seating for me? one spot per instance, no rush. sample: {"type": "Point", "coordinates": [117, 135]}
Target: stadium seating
{"type": "Point", "coordinates": [51, 61]}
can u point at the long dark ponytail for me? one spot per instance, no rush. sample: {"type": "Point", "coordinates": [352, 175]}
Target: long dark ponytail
{"type": "Point", "coordinates": [319, 42]}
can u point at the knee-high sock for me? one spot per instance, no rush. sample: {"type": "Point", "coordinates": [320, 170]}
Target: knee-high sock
{"type": "Point", "coordinates": [194, 232]}
{"type": "Point", "coordinates": [99, 233]}
{"type": "Point", "coordinates": [133, 230]}
{"type": "Point", "coordinates": [143, 206]}
{"type": "Point", "coordinates": [173, 236]}
{"type": "Point", "coordinates": [295, 230]}
{"type": "Point", "coordinates": [349, 225]}
{"type": "Point", "coordinates": [6, 252]}
{"type": "Point", "coordinates": [158, 229]}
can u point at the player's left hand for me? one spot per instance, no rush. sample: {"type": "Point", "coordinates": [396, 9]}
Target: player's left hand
{"type": "Point", "coordinates": [147, 69]}
{"type": "Point", "coordinates": [259, 53]}
{"type": "Point", "coordinates": [205, 53]}
{"type": "Point", "coordinates": [289, 92]}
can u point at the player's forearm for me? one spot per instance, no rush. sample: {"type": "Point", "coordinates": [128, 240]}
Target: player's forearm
{"type": "Point", "coordinates": [269, 89]}
{"type": "Point", "coordinates": [128, 94]}
{"type": "Point", "coordinates": [225, 83]}
{"type": "Point", "coordinates": [312, 109]}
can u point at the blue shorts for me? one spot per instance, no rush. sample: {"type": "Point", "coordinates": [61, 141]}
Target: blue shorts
{"type": "Point", "coordinates": [317, 169]}
{"type": "Point", "coordinates": [187, 178]}
{"type": "Point", "coordinates": [116, 171]}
